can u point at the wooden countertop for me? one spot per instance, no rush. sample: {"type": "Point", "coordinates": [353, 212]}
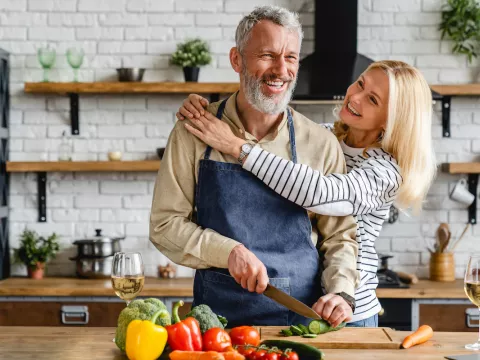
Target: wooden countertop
{"type": "Point", "coordinates": [52, 286]}
{"type": "Point", "coordinates": [96, 343]}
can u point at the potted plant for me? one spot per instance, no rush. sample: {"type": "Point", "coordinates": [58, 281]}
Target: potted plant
{"type": "Point", "coordinates": [190, 55]}
{"type": "Point", "coordinates": [461, 22]}
{"type": "Point", "coordinates": [35, 251]}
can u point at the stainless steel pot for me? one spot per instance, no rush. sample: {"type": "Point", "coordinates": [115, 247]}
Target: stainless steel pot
{"type": "Point", "coordinates": [94, 268]}
{"type": "Point", "coordinates": [98, 246]}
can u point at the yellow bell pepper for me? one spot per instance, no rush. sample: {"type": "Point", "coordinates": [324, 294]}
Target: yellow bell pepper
{"type": "Point", "coordinates": [145, 340]}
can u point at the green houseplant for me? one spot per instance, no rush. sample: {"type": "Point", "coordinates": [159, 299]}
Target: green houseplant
{"type": "Point", "coordinates": [461, 24]}
{"type": "Point", "coordinates": [35, 251]}
{"type": "Point", "coordinates": [190, 55]}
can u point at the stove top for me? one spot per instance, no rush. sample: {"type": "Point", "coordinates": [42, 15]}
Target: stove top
{"type": "Point", "coordinates": [389, 279]}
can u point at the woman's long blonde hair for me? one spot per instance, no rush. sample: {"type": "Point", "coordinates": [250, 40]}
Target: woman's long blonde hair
{"type": "Point", "coordinates": [408, 129]}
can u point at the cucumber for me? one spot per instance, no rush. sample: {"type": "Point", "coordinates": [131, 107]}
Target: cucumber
{"type": "Point", "coordinates": [286, 332]}
{"type": "Point", "coordinates": [303, 328]}
{"type": "Point", "coordinates": [304, 351]}
{"type": "Point", "coordinates": [311, 336]}
{"type": "Point", "coordinates": [322, 327]}
{"type": "Point", "coordinates": [296, 330]}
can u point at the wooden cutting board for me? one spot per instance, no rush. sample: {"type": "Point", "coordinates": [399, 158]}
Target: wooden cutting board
{"type": "Point", "coordinates": [346, 338]}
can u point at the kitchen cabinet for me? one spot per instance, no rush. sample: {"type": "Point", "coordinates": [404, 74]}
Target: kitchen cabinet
{"type": "Point", "coordinates": [49, 313]}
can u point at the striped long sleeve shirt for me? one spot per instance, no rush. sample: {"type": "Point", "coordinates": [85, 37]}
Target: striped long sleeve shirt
{"type": "Point", "coordinates": [367, 191]}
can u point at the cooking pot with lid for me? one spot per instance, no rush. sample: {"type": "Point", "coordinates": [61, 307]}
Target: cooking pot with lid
{"type": "Point", "coordinates": [98, 245]}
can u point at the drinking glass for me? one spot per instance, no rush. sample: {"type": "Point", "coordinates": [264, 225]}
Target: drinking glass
{"type": "Point", "coordinates": [46, 57]}
{"type": "Point", "coordinates": [75, 59]}
{"type": "Point", "coordinates": [472, 289]}
{"type": "Point", "coordinates": [127, 275]}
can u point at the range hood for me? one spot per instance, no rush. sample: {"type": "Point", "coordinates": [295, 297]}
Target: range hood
{"type": "Point", "coordinates": [325, 75]}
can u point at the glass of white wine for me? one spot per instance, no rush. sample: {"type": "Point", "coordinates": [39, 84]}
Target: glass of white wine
{"type": "Point", "coordinates": [472, 289]}
{"type": "Point", "coordinates": [127, 275]}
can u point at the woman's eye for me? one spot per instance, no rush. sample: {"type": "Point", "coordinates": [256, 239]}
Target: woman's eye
{"type": "Point", "coordinates": [373, 100]}
{"type": "Point", "coordinates": [360, 83]}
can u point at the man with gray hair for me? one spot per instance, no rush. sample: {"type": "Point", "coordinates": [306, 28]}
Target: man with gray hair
{"type": "Point", "coordinates": [211, 215]}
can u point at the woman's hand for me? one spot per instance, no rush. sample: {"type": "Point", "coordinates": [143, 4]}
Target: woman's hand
{"type": "Point", "coordinates": [193, 106]}
{"type": "Point", "coordinates": [216, 133]}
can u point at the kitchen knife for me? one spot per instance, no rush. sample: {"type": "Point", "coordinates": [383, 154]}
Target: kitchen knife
{"type": "Point", "coordinates": [290, 302]}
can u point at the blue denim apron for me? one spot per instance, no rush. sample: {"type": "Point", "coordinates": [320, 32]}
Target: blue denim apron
{"type": "Point", "coordinates": [234, 203]}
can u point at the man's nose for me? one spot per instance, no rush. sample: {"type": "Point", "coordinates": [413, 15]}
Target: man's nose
{"type": "Point", "coordinates": [280, 67]}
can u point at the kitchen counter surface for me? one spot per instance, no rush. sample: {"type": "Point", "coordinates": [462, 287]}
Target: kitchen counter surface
{"type": "Point", "coordinates": [183, 287]}
{"type": "Point", "coordinates": [96, 343]}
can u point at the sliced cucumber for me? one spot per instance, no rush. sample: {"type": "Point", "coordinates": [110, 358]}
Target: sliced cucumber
{"type": "Point", "coordinates": [296, 330]}
{"type": "Point", "coordinates": [322, 327]}
{"type": "Point", "coordinates": [303, 328]}
{"type": "Point", "coordinates": [304, 351]}
{"type": "Point", "coordinates": [286, 332]}
{"type": "Point", "coordinates": [311, 336]}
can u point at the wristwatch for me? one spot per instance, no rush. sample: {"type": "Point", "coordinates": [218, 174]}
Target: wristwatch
{"type": "Point", "coordinates": [350, 300]}
{"type": "Point", "coordinates": [244, 151]}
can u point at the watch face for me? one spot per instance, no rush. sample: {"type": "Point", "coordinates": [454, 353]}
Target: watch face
{"type": "Point", "coordinates": [246, 148]}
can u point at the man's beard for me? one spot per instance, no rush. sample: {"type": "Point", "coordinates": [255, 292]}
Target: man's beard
{"type": "Point", "coordinates": [272, 105]}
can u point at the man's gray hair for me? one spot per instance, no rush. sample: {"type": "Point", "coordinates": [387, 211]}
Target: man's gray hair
{"type": "Point", "coordinates": [275, 14]}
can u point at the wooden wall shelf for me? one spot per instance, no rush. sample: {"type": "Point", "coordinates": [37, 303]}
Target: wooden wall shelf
{"type": "Point", "coordinates": [42, 167]}
{"type": "Point", "coordinates": [73, 90]}
{"type": "Point", "coordinates": [82, 166]}
{"type": "Point", "coordinates": [457, 90]}
{"type": "Point", "coordinates": [473, 171]}
{"type": "Point", "coordinates": [130, 88]}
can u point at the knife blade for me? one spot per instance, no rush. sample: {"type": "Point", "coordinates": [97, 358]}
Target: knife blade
{"type": "Point", "coordinates": [290, 302]}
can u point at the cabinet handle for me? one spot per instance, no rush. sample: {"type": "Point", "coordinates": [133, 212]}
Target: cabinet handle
{"type": "Point", "coordinates": [472, 314]}
{"type": "Point", "coordinates": [77, 312]}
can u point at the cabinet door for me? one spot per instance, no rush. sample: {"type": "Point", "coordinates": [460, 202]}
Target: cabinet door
{"type": "Point", "coordinates": [39, 313]}
{"type": "Point", "coordinates": [448, 317]}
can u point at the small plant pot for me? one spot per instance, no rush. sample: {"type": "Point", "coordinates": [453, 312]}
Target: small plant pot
{"type": "Point", "coordinates": [191, 73]}
{"type": "Point", "coordinates": [36, 272]}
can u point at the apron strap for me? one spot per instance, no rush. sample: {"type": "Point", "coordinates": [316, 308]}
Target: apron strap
{"type": "Point", "coordinates": [219, 115]}
{"type": "Point", "coordinates": [291, 134]}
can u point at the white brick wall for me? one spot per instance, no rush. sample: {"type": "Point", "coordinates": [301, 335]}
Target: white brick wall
{"type": "Point", "coordinates": [143, 33]}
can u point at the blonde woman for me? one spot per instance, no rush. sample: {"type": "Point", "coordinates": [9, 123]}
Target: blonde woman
{"type": "Point", "coordinates": [384, 129]}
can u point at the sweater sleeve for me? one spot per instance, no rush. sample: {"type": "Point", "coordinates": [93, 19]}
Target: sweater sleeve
{"type": "Point", "coordinates": [373, 185]}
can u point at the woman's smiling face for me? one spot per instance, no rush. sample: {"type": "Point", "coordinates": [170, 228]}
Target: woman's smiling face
{"type": "Point", "coordinates": [366, 102]}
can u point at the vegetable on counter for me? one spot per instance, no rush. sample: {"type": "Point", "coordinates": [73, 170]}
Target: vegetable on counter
{"type": "Point", "coordinates": [421, 335]}
{"type": "Point", "coordinates": [196, 355]}
{"type": "Point", "coordinates": [139, 310]}
{"type": "Point", "coordinates": [207, 318]}
{"type": "Point", "coordinates": [145, 340]}
{"type": "Point", "coordinates": [216, 339]}
{"type": "Point", "coordinates": [304, 351]}
{"type": "Point", "coordinates": [184, 335]}
{"type": "Point", "coordinates": [244, 335]}
{"type": "Point", "coordinates": [322, 327]}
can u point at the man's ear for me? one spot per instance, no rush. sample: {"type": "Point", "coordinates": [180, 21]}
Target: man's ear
{"type": "Point", "coordinates": [236, 60]}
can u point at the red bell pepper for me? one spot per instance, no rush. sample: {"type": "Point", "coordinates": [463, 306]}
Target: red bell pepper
{"type": "Point", "coordinates": [184, 335]}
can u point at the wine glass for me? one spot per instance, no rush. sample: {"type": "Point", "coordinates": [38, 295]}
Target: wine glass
{"type": "Point", "coordinates": [75, 59]}
{"type": "Point", "coordinates": [46, 56]}
{"type": "Point", "coordinates": [127, 275]}
{"type": "Point", "coordinates": [472, 289]}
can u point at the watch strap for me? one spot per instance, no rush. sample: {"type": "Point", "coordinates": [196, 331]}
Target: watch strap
{"type": "Point", "coordinates": [349, 299]}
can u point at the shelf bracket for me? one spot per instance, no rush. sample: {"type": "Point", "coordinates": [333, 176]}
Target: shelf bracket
{"type": "Point", "coordinates": [472, 187]}
{"type": "Point", "coordinates": [446, 102]}
{"type": "Point", "coordinates": [42, 196]}
{"type": "Point", "coordinates": [74, 113]}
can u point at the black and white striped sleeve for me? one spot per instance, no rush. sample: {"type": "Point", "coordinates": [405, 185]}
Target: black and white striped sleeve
{"type": "Point", "coordinates": [371, 186]}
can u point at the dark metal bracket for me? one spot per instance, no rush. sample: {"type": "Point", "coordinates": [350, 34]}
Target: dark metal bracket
{"type": "Point", "coordinates": [446, 102]}
{"type": "Point", "coordinates": [42, 196]}
{"type": "Point", "coordinates": [472, 187]}
{"type": "Point", "coordinates": [74, 113]}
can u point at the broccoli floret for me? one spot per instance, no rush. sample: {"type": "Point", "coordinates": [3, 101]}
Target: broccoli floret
{"type": "Point", "coordinates": [139, 310]}
{"type": "Point", "coordinates": [206, 317]}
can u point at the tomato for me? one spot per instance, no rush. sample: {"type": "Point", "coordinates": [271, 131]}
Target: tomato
{"type": "Point", "coordinates": [245, 351]}
{"type": "Point", "coordinates": [272, 356]}
{"type": "Point", "coordinates": [216, 339]}
{"type": "Point", "coordinates": [243, 335]}
{"type": "Point", "coordinates": [290, 355]}
{"type": "Point", "coordinates": [258, 355]}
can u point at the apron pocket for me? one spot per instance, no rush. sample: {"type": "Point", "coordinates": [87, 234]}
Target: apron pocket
{"type": "Point", "coordinates": [241, 307]}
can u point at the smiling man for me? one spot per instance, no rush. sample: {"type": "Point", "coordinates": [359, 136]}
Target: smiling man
{"type": "Point", "coordinates": [211, 215]}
